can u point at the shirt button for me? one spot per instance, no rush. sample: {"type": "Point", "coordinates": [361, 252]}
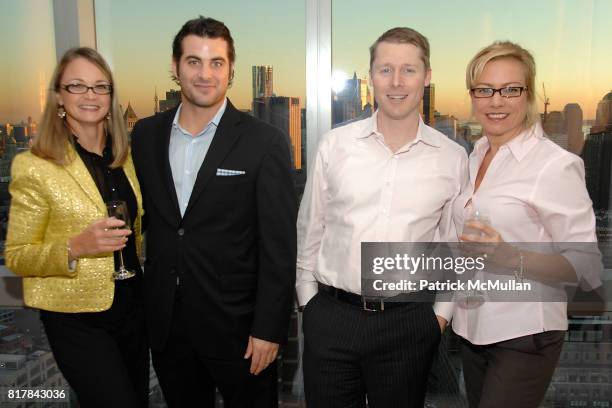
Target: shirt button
{"type": "Point", "coordinates": [181, 232]}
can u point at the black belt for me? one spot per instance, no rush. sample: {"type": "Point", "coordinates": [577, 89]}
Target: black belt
{"type": "Point", "coordinates": [376, 304]}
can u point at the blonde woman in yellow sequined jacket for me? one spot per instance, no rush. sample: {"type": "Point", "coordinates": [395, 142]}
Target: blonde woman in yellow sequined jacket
{"type": "Point", "coordinates": [49, 205]}
{"type": "Point", "coordinates": [62, 241]}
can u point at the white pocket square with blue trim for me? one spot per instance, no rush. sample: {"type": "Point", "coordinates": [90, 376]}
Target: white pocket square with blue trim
{"type": "Point", "coordinates": [227, 172]}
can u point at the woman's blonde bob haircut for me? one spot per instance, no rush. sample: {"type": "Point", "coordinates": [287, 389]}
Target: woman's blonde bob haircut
{"type": "Point", "coordinates": [54, 135]}
{"type": "Point", "coordinates": [507, 50]}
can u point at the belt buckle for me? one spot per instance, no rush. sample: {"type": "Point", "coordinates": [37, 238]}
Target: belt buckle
{"type": "Point", "coordinates": [364, 304]}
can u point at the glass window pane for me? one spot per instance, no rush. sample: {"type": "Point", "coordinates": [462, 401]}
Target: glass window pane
{"type": "Point", "coordinates": [269, 83]}
{"type": "Point", "coordinates": [570, 42]}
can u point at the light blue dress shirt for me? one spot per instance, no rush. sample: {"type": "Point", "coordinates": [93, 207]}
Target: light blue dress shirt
{"type": "Point", "coordinates": [187, 152]}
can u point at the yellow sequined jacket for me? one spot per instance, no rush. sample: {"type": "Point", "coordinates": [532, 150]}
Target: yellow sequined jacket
{"type": "Point", "coordinates": [49, 204]}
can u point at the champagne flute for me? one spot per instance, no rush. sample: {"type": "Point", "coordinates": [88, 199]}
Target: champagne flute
{"type": "Point", "coordinates": [119, 210]}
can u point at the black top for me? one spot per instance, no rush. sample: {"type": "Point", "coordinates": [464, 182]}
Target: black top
{"type": "Point", "coordinates": [113, 185]}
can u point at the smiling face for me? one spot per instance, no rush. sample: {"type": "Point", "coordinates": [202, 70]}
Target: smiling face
{"type": "Point", "coordinates": [88, 108]}
{"type": "Point", "coordinates": [501, 117]}
{"type": "Point", "coordinates": [399, 77]}
{"type": "Point", "coordinates": [203, 71]}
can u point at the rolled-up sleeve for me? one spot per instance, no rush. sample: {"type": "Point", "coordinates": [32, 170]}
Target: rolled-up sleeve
{"type": "Point", "coordinates": [565, 210]}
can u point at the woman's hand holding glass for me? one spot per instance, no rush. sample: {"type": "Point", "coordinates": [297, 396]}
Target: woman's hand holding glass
{"type": "Point", "coordinates": [100, 237]}
{"type": "Point", "coordinates": [494, 247]}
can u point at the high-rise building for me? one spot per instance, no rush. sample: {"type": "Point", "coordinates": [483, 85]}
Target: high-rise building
{"type": "Point", "coordinates": [428, 105]}
{"type": "Point", "coordinates": [262, 81]}
{"type": "Point", "coordinates": [597, 156]}
{"type": "Point", "coordinates": [130, 118]}
{"type": "Point", "coordinates": [347, 103]}
{"type": "Point", "coordinates": [173, 98]}
{"type": "Point", "coordinates": [604, 111]}
{"type": "Point", "coordinates": [366, 95]}
{"type": "Point", "coordinates": [572, 114]}
{"type": "Point", "coordinates": [285, 113]}
{"type": "Point", "coordinates": [555, 123]}
{"type": "Point", "coordinates": [155, 102]}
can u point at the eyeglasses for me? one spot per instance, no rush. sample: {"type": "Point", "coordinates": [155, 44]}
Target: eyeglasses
{"type": "Point", "coordinates": [100, 89]}
{"type": "Point", "coordinates": [507, 92]}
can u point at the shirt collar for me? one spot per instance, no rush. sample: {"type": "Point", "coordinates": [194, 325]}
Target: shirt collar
{"type": "Point", "coordinates": [424, 133]}
{"type": "Point", "coordinates": [214, 121]}
{"type": "Point", "coordinates": [107, 151]}
{"type": "Point", "coordinates": [519, 146]}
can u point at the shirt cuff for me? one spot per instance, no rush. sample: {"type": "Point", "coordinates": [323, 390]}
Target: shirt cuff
{"type": "Point", "coordinates": [306, 291]}
{"type": "Point", "coordinates": [587, 265]}
{"type": "Point", "coordinates": [444, 309]}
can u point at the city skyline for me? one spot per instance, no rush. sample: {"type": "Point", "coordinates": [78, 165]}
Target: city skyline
{"type": "Point", "coordinates": [568, 38]}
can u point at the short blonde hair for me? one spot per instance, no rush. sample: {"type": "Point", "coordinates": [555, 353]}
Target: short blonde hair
{"type": "Point", "coordinates": [403, 35]}
{"type": "Point", "coordinates": [53, 134]}
{"type": "Point", "coordinates": [507, 50]}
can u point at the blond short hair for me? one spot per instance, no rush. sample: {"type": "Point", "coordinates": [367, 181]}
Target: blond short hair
{"type": "Point", "coordinates": [53, 135]}
{"type": "Point", "coordinates": [507, 50]}
{"type": "Point", "coordinates": [403, 35]}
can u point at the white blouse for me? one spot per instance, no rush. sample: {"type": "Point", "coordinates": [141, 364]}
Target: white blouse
{"type": "Point", "coordinates": [533, 191]}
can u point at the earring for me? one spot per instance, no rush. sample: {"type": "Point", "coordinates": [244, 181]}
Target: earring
{"type": "Point", "coordinates": [108, 116]}
{"type": "Point", "coordinates": [61, 113]}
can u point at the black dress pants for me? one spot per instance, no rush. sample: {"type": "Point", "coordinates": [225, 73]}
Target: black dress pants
{"type": "Point", "coordinates": [512, 373]}
{"type": "Point", "coordinates": [189, 375]}
{"type": "Point", "coordinates": [351, 354]}
{"type": "Point", "coordinates": [104, 355]}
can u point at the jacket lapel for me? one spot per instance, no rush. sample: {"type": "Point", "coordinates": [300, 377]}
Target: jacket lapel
{"type": "Point", "coordinates": [163, 159]}
{"type": "Point", "coordinates": [77, 169]}
{"type": "Point", "coordinates": [130, 173]}
{"type": "Point", "coordinates": [226, 135]}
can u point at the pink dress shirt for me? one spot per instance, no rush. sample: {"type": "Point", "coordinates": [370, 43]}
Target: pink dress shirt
{"type": "Point", "coordinates": [358, 190]}
{"type": "Point", "coordinates": [534, 191]}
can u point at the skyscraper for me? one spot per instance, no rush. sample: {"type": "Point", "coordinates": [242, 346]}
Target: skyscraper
{"type": "Point", "coordinates": [555, 122]}
{"type": "Point", "coordinates": [155, 102]}
{"type": "Point", "coordinates": [283, 112]}
{"type": "Point", "coordinates": [597, 157]}
{"type": "Point", "coordinates": [572, 114]}
{"type": "Point", "coordinates": [347, 103]}
{"type": "Point", "coordinates": [604, 111]}
{"type": "Point", "coordinates": [262, 81]}
{"type": "Point", "coordinates": [428, 105]}
{"type": "Point", "coordinates": [366, 95]}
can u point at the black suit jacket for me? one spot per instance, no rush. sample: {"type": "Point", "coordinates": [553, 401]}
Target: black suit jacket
{"type": "Point", "coordinates": [234, 249]}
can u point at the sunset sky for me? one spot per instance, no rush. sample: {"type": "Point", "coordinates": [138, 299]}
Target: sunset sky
{"type": "Point", "coordinates": [570, 40]}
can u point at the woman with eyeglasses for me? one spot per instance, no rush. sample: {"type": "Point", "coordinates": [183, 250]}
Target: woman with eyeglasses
{"type": "Point", "coordinates": [532, 191]}
{"type": "Point", "coordinates": [62, 241]}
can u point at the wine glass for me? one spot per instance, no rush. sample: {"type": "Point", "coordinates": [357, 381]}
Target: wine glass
{"type": "Point", "coordinates": [473, 297]}
{"type": "Point", "coordinates": [475, 214]}
{"type": "Point", "coordinates": [119, 210]}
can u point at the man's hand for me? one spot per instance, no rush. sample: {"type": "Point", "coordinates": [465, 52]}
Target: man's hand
{"type": "Point", "coordinates": [261, 353]}
{"type": "Point", "coordinates": [442, 322]}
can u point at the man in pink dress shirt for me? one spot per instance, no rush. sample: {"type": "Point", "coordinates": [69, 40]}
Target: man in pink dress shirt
{"type": "Point", "coordinates": [388, 178]}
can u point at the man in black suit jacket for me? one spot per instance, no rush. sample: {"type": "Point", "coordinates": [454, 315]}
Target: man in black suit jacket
{"type": "Point", "coordinates": [221, 245]}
